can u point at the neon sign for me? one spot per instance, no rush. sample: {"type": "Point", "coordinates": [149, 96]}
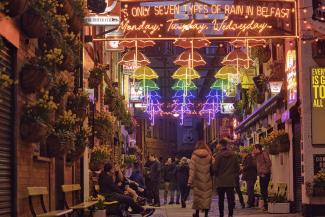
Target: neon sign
{"type": "Point", "coordinates": [291, 70]}
{"type": "Point", "coordinates": [166, 21]}
{"type": "Point", "coordinates": [318, 87]}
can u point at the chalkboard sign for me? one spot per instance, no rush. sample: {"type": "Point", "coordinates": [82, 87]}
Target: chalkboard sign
{"type": "Point", "coordinates": [319, 162]}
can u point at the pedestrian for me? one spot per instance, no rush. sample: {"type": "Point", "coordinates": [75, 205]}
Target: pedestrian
{"type": "Point", "coordinates": [263, 165]}
{"type": "Point", "coordinates": [249, 175]}
{"type": "Point", "coordinates": [237, 187]}
{"type": "Point", "coordinates": [226, 169]}
{"type": "Point", "coordinates": [173, 183]}
{"type": "Point", "coordinates": [148, 183]}
{"type": "Point", "coordinates": [154, 174]}
{"type": "Point", "coordinates": [112, 192]}
{"type": "Point", "coordinates": [200, 179]}
{"type": "Point", "coordinates": [167, 176]}
{"type": "Point", "coordinates": [182, 174]}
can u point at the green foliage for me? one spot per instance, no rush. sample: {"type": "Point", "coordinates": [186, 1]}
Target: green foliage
{"type": "Point", "coordinates": [247, 148]}
{"type": "Point", "coordinates": [100, 154]}
{"type": "Point", "coordinates": [78, 8]}
{"type": "Point", "coordinates": [279, 196]}
{"type": "Point", "coordinates": [104, 126]}
{"type": "Point", "coordinates": [78, 102]}
{"type": "Point", "coordinates": [319, 178]}
{"type": "Point", "coordinates": [96, 75]}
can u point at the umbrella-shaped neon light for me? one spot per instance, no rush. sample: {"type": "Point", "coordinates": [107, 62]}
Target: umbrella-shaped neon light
{"type": "Point", "coordinates": [182, 85]}
{"type": "Point", "coordinates": [185, 73]}
{"type": "Point", "coordinates": [229, 73]}
{"type": "Point", "coordinates": [136, 43]}
{"type": "Point", "coordinates": [188, 57]}
{"type": "Point", "coordinates": [185, 43]}
{"type": "Point", "coordinates": [154, 106]}
{"type": "Point", "coordinates": [134, 57]}
{"type": "Point", "coordinates": [247, 78]}
{"type": "Point", "coordinates": [212, 104]}
{"type": "Point", "coordinates": [238, 43]}
{"type": "Point", "coordinates": [145, 73]}
{"type": "Point", "coordinates": [238, 58]}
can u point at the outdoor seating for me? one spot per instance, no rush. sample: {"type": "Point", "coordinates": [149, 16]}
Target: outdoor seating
{"type": "Point", "coordinates": [40, 192]}
{"type": "Point", "coordinates": [80, 207]}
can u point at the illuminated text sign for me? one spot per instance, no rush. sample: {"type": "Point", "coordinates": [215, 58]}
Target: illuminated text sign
{"type": "Point", "coordinates": [249, 18]}
{"type": "Point", "coordinates": [291, 70]}
{"type": "Point", "coordinates": [318, 87]}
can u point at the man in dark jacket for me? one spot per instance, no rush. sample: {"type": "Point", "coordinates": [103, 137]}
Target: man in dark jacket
{"type": "Point", "coordinates": [111, 191]}
{"type": "Point", "coordinates": [182, 174]}
{"type": "Point", "coordinates": [154, 176]}
{"type": "Point", "coordinates": [249, 175]}
{"type": "Point", "coordinates": [226, 169]}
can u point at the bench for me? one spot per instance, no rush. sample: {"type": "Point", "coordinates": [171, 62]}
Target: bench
{"type": "Point", "coordinates": [106, 203]}
{"type": "Point", "coordinates": [40, 192]}
{"type": "Point", "coordinates": [80, 206]}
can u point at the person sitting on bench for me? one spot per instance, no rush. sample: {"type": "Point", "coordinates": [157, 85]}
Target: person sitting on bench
{"type": "Point", "coordinates": [111, 191]}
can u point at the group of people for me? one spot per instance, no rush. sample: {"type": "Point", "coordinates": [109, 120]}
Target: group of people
{"type": "Point", "coordinates": [223, 170]}
{"type": "Point", "coordinates": [205, 171]}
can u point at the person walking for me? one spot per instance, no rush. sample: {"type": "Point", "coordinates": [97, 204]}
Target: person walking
{"type": "Point", "coordinates": [200, 179]}
{"type": "Point", "coordinates": [173, 183]}
{"type": "Point", "coordinates": [237, 188]}
{"type": "Point", "coordinates": [249, 172]}
{"type": "Point", "coordinates": [167, 176]}
{"type": "Point", "coordinates": [182, 174]}
{"type": "Point", "coordinates": [226, 169]}
{"type": "Point", "coordinates": [154, 176]}
{"type": "Point", "coordinates": [263, 164]}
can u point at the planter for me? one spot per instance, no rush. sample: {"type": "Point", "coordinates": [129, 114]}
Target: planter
{"type": "Point", "coordinates": [75, 24]}
{"type": "Point", "coordinates": [278, 208]}
{"type": "Point", "coordinates": [315, 190]}
{"type": "Point", "coordinates": [100, 213]}
{"type": "Point", "coordinates": [58, 145]}
{"type": "Point", "coordinates": [33, 132]}
{"type": "Point", "coordinates": [17, 7]}
{"type": "Point", "coordinates": [47, 42]}
{"type": "Point", "coordinates": [96, 166]}
{"type": "Point", "coordinates": [33, 79]}
{"type": "Point", "coordinates": [33, 24]}
{"type": "Point", "coordinates": [75, 155]}
{"type": "Point", "coordinates": [68, 61]}
{"type": "Point", "coordinates": [273, 148]}
{"type": "Point", "coordinates": [284, 143]}
{"type": "Point", "coordinates": [67, 8]}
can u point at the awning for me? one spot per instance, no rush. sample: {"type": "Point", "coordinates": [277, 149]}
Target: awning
{"type": "Point", "coordinates": [261, 112]}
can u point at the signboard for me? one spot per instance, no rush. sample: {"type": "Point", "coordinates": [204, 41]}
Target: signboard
{"type": "Point", "coordinates": [168, 19]}
{"type": "Point", "coordinates": [136, 93]}
{"type": "Point", "coordinates": [103, 12]}
{"type": "Point", "coordinates": [291, 71]}
{"type": "Point", "coordinates": [227, 108]}
{"type": "Point", "coordinates": [275, 87]}
{"type": "Point", "coordinates": [318, 104]}
{"type": "Point", "coordinates": [319, 163]}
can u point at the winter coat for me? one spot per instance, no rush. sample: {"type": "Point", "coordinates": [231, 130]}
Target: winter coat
{"type": "Point", "coordinates": [226, 169]}
{"type": "Point", "coordinates": [263, 163]}
{"type": "Point", "coordinates": [155, 171]}
{"type": "Point", "coordinates": [249, 168]}
{"type": "Point", "coordinates": [169, 172]}
{"type": "Point", "coordinates": [200, 179]}
{"type": "Point", "coordinates": [182, 173]}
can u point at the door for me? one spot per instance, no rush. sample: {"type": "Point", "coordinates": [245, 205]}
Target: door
{"type": "Point", "coordinates": [7, 185]}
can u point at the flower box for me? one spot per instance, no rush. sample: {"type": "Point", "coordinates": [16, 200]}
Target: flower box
{"type": "Point", "coordinates": [279, 208]}
{"type": "Point", "coordinates": [273, 148]}
{"type": "Point", "coordinates": [283, 143]}
{"type": "Point", "coordinates": [58, 145]}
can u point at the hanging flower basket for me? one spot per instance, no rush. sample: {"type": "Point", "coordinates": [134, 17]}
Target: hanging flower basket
{"type": "Point", "coordinates": [68, 61]}
{"type": "Point", "coordinates": [33, 25]}
{"type": "Point", "coordinates": [33, 79]}
{"type": "Point", "coordinates": [17, 7]}
{"type": "Point", "coordinates": [33, 132]}
{"type": "Point", "coordinates": [97, 165]}
{"type": "Point", "coordinates": [263, 54]}
{"type": "Point", "coordinates": [75, 154]}
{"type": "Point", "coordinates": [58, 144]}
{"type": "Point", "coordinates": [79, 104]}
{"type": "Point", "coordinates": [284, 143]}
{"type": "Point", "coordinates": [273, 148]}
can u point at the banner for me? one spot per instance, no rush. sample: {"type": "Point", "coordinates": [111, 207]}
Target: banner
{"type": "Point", "coordinates": [169, 19]}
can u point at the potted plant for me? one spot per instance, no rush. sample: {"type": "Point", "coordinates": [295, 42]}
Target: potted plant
{"type": "Point", "coordinates": [103, 126]}
{"type": "Point", "coordinates": [61, 139]}
{"type": "Point", "coordinates": [81, 142]}
{"type": "Point", "coordinates": [96, 76]}
{"type": "Point", "coordinates": [99, 156]}
{"type": "Point", "coordinates": [269, 143]}
{"type": "Point", "coordinates": [39, 17]}
{"type": "Point", "coordinates": [36, 73]}
{"type": "Point", "coordinates": [278, 203]}
{"type": "Point", "coordinates": [130, 159]}
{"type": "Point", "coordinates": [110, 95]}
{"type": "Point", "coordinates": [36, 119]}
{"type": "Point", "coordinates": [100, 210]}
{"type": "Point", "coordinates": [316, 188]}
{"type": "Point", "coordinates": [283, 141]}
{"type": "Point", "coordinates": [79, 104]}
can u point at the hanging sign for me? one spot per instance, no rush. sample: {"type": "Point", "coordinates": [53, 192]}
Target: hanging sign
{"type": "Point", "coordinates": [161, 19]}
{"type": "Point", "coordinates": [227, 108]}
{"type": "Point", "coordinates": [103, 12]}
{"type": "Point", "coordinates": [275, 86]}
{"type": "Point", "coordinates": [291, 71]}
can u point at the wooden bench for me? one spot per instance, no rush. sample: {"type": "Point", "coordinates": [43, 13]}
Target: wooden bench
{"type": "Point", "coordinates": [80, 206]}
{"type": "Point", "coordinates": [40, 192]}
{"type": "Point", "coordinates": [106, 203]}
